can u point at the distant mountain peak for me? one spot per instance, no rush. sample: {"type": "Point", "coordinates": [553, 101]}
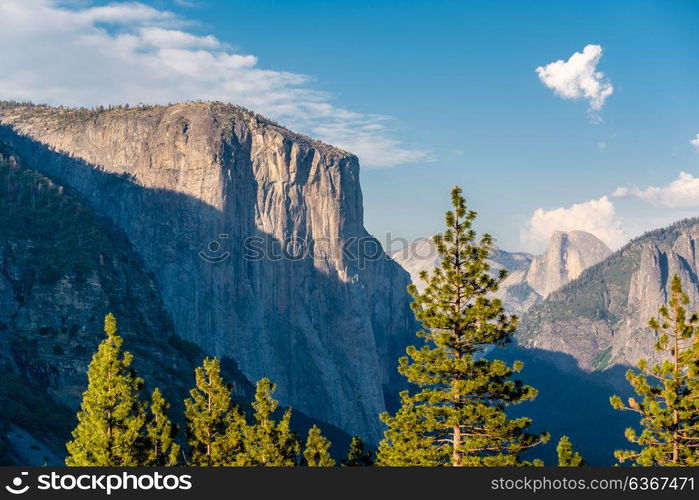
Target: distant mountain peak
{"type": "Point", "coordinates": [567, 255]}
{"type": "Point", "coordinates": [601, 318]}
{"type": "Point", "coordinates": [530, 278]}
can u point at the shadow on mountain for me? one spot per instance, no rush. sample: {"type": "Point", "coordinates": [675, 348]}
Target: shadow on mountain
{"type": "Point", "coordinates": [282, 317]}
{"type": "Point", "coordinates": [572, 402]}
{"type": "Point", "coordinates": [314, 369]}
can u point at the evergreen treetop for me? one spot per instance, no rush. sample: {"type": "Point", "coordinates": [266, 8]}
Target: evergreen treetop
{"type": "Point", "coordinates": [270, 443]}
{"type": "Point", "coordinates": [111, 416]}
{"type": "Point", "coordinates": [161, 448]}
{"type": "Point", "coordinates": [357, 454]}
{"type": "Point", "coordinates": [316, 452]}
{"type": "Point", "coordinates": [214, 426]}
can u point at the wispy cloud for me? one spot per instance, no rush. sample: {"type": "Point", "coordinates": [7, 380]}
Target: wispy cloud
{"type": "Point", "coordinates": [578, 78]}
{"type": "Point", "coordinates": [130, 52]}
{"type": "Point", "coordinates": [695, 142]}
{"type": "Point", "coordinates": [188, 3]}
{"type": "Point", "coordinates": [597, 217]}
{"type": "Point", "coordinates": [683, 192]}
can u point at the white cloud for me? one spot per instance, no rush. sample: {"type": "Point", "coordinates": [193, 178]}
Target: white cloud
{"type": "Point", "coordinates": [188, 3]}
{"type": "Point", "coordinates": [695, 142]}
{"type": "Point", "coordinates": [128, 52]}
{"type": "Point", "coordinates": [597, 217]}
{"type": "Point", "coordinates": [159, 38]}
{"type": "Point", "coordinates": [578, 78]}
{"type": "Point", "coordinates": [683, 192]}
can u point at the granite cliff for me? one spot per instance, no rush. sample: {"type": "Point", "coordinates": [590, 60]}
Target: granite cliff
{"type": "Point", "coordinates": [600, 319]}
{"type": "Point", "coordinates": [255, 239]}
{"type": "Point", "coordinates": [567, 255]}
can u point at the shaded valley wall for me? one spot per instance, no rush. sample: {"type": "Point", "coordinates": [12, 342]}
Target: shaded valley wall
{"type": "Point", "coordinates": [325, 326]}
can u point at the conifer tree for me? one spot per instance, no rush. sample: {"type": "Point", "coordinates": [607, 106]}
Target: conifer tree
{"type": "Point", "coordinates": [111, 416]}
{"type": "Point", "coordinates": [407, 442]}
{"type": "Point", "coordinates": [566, 456]}
{"type": "Point", "coordinates": [316, 452]}
{"type": "Point", "coordinates": [214, 426]}
{"type": "Point", "coordinates": [269, 443]}
{"type": "Point", "coordinates": [461, 403]}
{"type": "Point", "coordinates": [161, 448]}
{"type": "Point", "coordinates": [357, 454]}
{"type": "Point", "coordinates": [669, 391]}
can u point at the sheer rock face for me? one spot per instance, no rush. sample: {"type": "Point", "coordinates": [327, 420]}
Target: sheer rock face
{"type": "Point", "coordinates": [255, 235]}
{"type": "Point", "coordinates": [515, 292]}
{"type": "Point", "coordinates": [567, 255]}
{"type": "Point", "coordinates": [601, 318]}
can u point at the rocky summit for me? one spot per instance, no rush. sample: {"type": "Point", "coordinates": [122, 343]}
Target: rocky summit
{"type": "Point", "coordinates": [254, 236]}
{"type": "Point", "coordinates": [601, 319]}
{"type": "Point", "coordinates": [567, 255]}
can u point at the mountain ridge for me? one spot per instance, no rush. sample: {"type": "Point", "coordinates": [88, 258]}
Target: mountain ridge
{"type": "Point", "coordinates": [600, 318]}
{"type": "Point", "coordinates": [177, 179]}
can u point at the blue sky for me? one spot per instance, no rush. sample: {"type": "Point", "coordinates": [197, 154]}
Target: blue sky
{"type": "Point", "coordinates": [451, 89]}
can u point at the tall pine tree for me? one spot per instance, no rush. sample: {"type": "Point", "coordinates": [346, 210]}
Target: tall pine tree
{"type": "Point", "coordinates": [316, 452]}
{"type": "Point", "coordinates": [111, 416]}
{"type": "Point", "coordinates": [460, 408]}
{"type": "Point", "coordinates": [214, 426]}
{"type": "Point", "coordinates": [669, 391]}
{"type": "Point", "coordinates": [161, 448]}
{"type": "Point", "coordinates": [269, 443]}
{"type": "Point", "coordinates": [357, 454]}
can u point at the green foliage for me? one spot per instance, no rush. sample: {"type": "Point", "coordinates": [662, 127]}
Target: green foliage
{"type": "Point", "coordinates": [407, 441]}
{"type": "Point", "coordinates": [111, 417]}
{"type": "Point", "coordinates": [669, 407]}
{"type": "Point", "coordinates": [566, 456]}
{"type": "Point", "coordinates": [458, 415]}
{"type": "Point", "coordinates": [269, 443]}
{"type": "Point", "coordinates": [48, 233]}
{"type": "Point", "coordinates": [31, 408]}
{"type": "Point", "coordinates": [161, 448]}
{"type": "Point", "coordinates": [357, 454]}
{"type": "Point", "coordinates": [214, 426]}
{"type": "Point", "coordinates": [316, 452]}
{"type": "Point", "coordinates": [67, 239]}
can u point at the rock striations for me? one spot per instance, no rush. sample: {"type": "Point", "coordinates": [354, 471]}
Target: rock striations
{"type": "Point", "coordinates": [254, 235]}
{"type": "Point", "coordinates": [567, 255]}
{"type": "Point", "coordinates": [601, 318]}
